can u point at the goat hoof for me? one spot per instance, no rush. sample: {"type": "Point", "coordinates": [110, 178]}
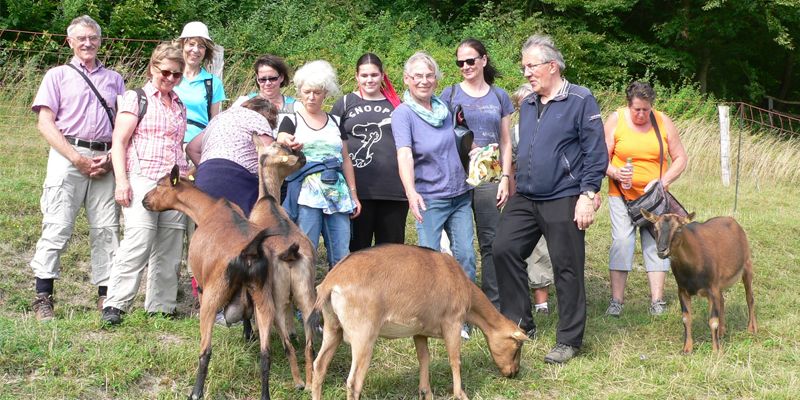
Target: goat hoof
{"type": "Point", "coordinates": [299, 387]}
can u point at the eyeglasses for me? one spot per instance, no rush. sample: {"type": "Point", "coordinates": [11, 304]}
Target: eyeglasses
{"type": "Point", "coordinates": [271, 79]}
{"type": "Point", "coordinates": [419, 78]}
{"type": "Point", "coordinates": [530, 67]}
{"type": "Point", "coordinates": [468, 61]}
{"type": "Point", "coordinates": [81, 39]}
{"type": "Point", "coordinates": [167, 73]}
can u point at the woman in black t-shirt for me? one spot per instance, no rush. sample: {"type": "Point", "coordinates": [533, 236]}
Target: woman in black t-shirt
{"type": "Point", "coordinates": [366, 119]}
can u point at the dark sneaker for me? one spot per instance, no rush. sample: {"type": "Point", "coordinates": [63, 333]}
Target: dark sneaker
{"type": "Point", "coordinates": [531, 333]}
{"type": "Point", "coordinates": [100, 301]}
{"type": "Point", "coordinates": [658, 307]}
{"type": "Point", "coordinates": [112, 315]}
{"type": "Point", "coordinates": [43, 307]}
{"type": "Point", "coordinates": [614, 308]}
{"type": "Point", "coordinates": [560, 354]}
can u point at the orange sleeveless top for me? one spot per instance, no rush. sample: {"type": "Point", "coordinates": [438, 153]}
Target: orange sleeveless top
{"type": "Point", "coordinates": [642, 147]}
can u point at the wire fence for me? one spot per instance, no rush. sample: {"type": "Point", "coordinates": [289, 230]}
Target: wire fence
{"type": "Point", "coordinates": [784, 125]}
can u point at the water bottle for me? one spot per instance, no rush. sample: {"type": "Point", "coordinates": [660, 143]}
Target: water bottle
{"type": "Point", "coordinates": [626, 184]}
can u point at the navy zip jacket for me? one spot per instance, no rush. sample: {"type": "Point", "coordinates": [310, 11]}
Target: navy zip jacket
{"type": "Point", "coordinates": [563, 152]}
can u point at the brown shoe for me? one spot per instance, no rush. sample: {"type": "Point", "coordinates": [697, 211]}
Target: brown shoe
{"type": "Point", "coordinates": [100, 301]}
{"type": "Point", "coordinates": [43, 307]}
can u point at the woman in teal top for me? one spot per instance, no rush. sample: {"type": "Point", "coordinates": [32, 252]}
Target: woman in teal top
{"type": "Point", "coordinates": [199, 90]}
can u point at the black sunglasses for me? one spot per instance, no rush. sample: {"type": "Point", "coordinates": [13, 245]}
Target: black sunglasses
{"type": "Point", "coordinates": [270, 79]}
{"type": "Point", "coordinates": [166, 73]}
{"type": "Point", "coordinates": [469, 61]}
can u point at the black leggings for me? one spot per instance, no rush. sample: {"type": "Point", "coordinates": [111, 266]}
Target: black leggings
{"type": "Point", "coordinates": [383, 219]}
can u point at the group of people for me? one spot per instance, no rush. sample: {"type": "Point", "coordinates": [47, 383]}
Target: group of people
{"type": "Point", "coordinates": [373, 158]}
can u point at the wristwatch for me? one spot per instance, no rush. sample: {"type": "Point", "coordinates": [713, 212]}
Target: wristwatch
{"type": "Point", "coordinates": [588, 193]}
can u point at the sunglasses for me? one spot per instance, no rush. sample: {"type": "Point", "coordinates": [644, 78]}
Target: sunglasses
{"type": "Point", "coordinates": [166, 73]}
{"type": "Point", "coordinates": [468, 61]}
{"type": "Point", "coordinates": [271, 79]}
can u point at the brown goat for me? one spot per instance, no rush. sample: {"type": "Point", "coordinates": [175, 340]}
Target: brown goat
{"type": "Point", "coordinates": [227, 257]}
{"type": "Point", "coordinates": [396, 291]}
{"type": "Point", "coordinates": [706, 258]}
{"type": "Point", "coordinates": [291, 277]}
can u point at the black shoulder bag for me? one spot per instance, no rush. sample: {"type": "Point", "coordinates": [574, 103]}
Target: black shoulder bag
{"type": "Point", "coordinates": [657, 199]}
{"type": "Point", "coordinates": [100, 98]}
{"type": "Point", "coordinates": [464, 136]}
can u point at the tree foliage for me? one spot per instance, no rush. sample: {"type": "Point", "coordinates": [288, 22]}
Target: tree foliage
{"type": "Point", "coordinates": [732, 49]}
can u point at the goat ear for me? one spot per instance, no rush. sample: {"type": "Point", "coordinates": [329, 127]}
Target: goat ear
{"type": "Point", "coordinates": [690, 217]}
{"type": "Point", "coordinates": [175, 175]}
{"type": "Point", "coordinates": [649, 216]}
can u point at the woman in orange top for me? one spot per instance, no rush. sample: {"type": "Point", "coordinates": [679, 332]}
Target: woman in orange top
{"type": "Point", "coordinates": [629, 133]}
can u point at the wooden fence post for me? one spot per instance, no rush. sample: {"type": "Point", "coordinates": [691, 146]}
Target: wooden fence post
{"type": "Point", "coordinates": [725, 143]}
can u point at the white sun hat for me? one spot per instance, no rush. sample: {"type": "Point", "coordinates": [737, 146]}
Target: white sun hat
{"type": "Point", "coordinates": [195, 29]}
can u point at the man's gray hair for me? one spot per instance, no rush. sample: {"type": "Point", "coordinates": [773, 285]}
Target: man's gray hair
{"type": "Point", "coordinates": [547, 49]}
{"type": "Point", "coordinates": [84, 20]}
{"type": "Point", "coordinates": [317, 74]}
{"type": "Point", "coordinates": [427, 60]}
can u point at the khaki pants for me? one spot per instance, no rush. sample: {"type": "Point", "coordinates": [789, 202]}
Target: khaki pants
{"type": "Point", "coordinates": [150, 238]}
{"type": "Point", "coordinates": [65, 190]}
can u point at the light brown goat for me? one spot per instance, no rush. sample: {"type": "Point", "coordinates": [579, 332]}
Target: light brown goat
{"type": "Point", "coordinates": [706, 258]}
{"type": "Point", "coordinates": [396, 291]}
{"type": "Point", "coordinates": [227, 257]}
{"type": "Point", "coordinates": [291, 278]}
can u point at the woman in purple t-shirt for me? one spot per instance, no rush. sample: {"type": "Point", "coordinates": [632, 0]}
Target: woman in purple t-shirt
{"type": "Point", "coordinates": [487, 110]}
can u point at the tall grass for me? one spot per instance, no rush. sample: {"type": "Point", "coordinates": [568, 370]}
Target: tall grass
{"type": "Point", "coordinates": [635, 356]}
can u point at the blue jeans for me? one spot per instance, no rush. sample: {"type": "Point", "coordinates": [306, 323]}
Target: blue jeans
{"type": "Point", "coordinates": [454, 215]}
{"type": "Point", "coordinates": [335, 227]}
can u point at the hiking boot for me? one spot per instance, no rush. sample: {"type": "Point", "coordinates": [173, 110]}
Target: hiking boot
{"type": "Point", "coordinates": [43, 307]}
{"type": "Point", "coordinates": [560, 354]}
{"type": "Point", "coordinates": [614, 308]}
{"type": "Point", "coordinates": [100, 301]}
{"type": "Point", "coordinates": [112, 315]}
{"type": "Point", "coordinates": [658, 307]}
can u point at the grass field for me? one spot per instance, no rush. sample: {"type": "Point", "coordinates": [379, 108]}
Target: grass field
{"type": "Point", "coordinates": [633, 357]}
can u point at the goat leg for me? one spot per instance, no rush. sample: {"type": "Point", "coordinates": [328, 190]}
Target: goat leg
{"type": "Point", "coordinates": [747, 280]}
{"type": "Point", "coordinates": [361, 345]}
{"type": "Point", "coordinates": [424, 357]}
{"type": "Point", "coordinates": [207, 313]}
{"type": "Point", "coordinates": [331, 338]}
{"type": "Point", "coordinates": [452, 341]}
{"type": "Point", "coordinates": [247, 328]}
{"type": "Point", "coordinates": [686, 315]}
{"type": "Point", "coordinates": [714, 295]}
{"type": "Point", "coordinates": [721, 315]}
{"type": "Point", "coordinates": [264, 316]}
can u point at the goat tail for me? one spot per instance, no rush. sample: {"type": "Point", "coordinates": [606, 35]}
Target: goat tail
{"type": "Point", "coordinates": [315, 318]}
{"type": "Point", "coordinates": [251, 264]}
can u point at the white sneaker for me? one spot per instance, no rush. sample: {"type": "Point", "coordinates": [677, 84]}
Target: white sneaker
{"type": "Point", "coordinates": [220, 319]}
{"type": "Point", "coordinates": [464, 332]}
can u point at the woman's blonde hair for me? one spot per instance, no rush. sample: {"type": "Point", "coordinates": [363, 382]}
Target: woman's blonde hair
{"type": "Point", "coordinates": [165, 51]}
{"type": "Point", "coordinates": [317, 74]}
{"type": "Point", "coordinates": [521, 93]}
{"type": "Point", "coordinates": [205, 42]}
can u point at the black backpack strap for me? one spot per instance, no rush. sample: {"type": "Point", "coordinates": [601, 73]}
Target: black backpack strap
{"type": "Point", "coordinates": [142, 103]}
{"type": "Point", "coordinates": [452, 94]}
{"type": "Point", "coordinates": [100, 98]}
{"type": "Point", "coordinates": [209, 96]}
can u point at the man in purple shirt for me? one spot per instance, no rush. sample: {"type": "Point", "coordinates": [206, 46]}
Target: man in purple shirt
{"type": "Point", "coordinates": [77, 125]}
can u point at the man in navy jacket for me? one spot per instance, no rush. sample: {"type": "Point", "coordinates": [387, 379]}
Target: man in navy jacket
{"type": "Point", "coordinates": [561, 162]}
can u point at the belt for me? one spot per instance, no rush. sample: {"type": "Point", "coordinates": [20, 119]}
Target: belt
{"type": "Point", "coordinates": [89, 144]}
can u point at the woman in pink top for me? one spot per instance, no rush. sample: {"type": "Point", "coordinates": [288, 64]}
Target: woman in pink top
{"type": "Point", "coordinates": [145, 147]}
{"type": "Point", "coordinates": [629, 133]}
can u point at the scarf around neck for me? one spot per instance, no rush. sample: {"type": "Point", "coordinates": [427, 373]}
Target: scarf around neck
{"type": "Point", "coordinates": [434, 117]}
